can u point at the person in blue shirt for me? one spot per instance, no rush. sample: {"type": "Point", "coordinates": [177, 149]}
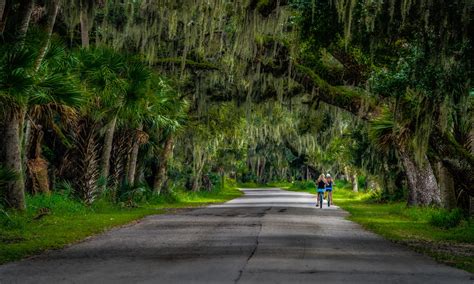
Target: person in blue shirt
{"type": "Point", "coordinates": [321, 185]}
{"type": "Point", "coordinates": [329, 183]}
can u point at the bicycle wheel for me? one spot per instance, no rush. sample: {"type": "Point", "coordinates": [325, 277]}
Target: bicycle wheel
{"type": "Point", "coordinates": [329, 199]}
{"type": "Point", "coordinates": [321, 200]}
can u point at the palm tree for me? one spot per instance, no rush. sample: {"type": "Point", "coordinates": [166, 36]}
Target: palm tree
{"type": "Point", "coordinates": [104, 72]}
{"type": "Point", "coordinates": [21, 87]}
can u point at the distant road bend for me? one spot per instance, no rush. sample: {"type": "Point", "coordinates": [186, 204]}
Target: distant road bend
{"type": "Point", "coordinates": [265, 236]}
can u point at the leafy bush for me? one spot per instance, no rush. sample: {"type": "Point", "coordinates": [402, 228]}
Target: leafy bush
{"type": "Point", "coordinates": [215, 180]}
{"type": "Point", "coordinates": [130, 195]}
{"type": "Point", "coordinates": [376, 196]}
{"type": "Point", "coordinates": [247, 177]}
{"type": "Point", "coordinates": [446, 219]}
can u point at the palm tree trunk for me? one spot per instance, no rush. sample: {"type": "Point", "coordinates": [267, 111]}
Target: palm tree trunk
{"type": "Point", "coordinates": [13, 161]}
{"type": "Point", "coordinates": [26, 9]}
{"type": "Point", "coordinates": [423, 187]}
{"type": "Point", "coordinates": [4, 16]}
{"type": "Point", "coordinates": [107, 148]}
{"type": "Point", "coordinates": [52, 8]}
{"type": "Point", "coordinates": [132, 168]}
{"type": "Point", "coordinates": [84, 28]}
{"type": "Point", "coordinates": [38, 167]}
{"type": "Point", "coordinates": [163, 165]}
{"type": "Point", "coordinates": [2, 8]}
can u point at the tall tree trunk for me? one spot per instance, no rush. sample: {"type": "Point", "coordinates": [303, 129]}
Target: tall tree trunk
{"type": "Point", "coordinates": [160, 176]}
{"type": "Point", "coordinates": [423, 188]}
{"type": "Point", "coordinates": [52, 10]}
{"type": "Point", "coordinates": [471, 197]}
{"type": "Point", "coordinates": [15, 189]}
{"type": "Point", "coordinates": [84, 27]}
{"type": "Point", "coordinates": [134, 158]}
{"type": "Point", "coordinates": [355, 183]}
{"type": "Point", "coordinates": [2, 8]}
{"type": "Point", "coordinates": [347, 174]}
{"type": "Point", "coordinates": [26, 9]}
{"type": "Point", "coordinates": [196, 181]}
{"type": "Point", "coordinates": [107, 148]}
{"type": "Point", "coordinates": [262, 171]}
{"type": "Point", "coordinates": [4, 15]}
{"type": "Point", "coordinates": [197, 173]}
{"type": "Point", "coordinates": [222, 173]}
{"type": "Point", "coordinates": [446, 186]}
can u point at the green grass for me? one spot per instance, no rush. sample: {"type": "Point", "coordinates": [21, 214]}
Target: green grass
{"type": "Point", "coordinates": [415, 227]}
{"type": "Point", "coordinates": [68, 221]}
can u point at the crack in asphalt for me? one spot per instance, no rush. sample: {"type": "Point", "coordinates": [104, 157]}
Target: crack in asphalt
{"type": "Point", "coordinates": [241, 271]}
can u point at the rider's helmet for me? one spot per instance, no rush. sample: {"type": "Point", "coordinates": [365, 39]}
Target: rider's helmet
{"type": "Point", "coordinates": [328, 175]}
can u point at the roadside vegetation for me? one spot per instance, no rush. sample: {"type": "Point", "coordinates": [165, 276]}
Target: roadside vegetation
{"type": "Point", "coordinates": [445, 235]}
{"type": "Point", "coordinates": [56, 220]}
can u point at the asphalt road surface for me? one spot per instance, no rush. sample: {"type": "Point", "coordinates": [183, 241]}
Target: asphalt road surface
{"type": "Point", "coordinates": [266, 236]}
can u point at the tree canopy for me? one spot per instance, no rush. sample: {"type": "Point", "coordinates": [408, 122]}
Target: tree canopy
{"type": "Point", "coordinates": [111, 96]}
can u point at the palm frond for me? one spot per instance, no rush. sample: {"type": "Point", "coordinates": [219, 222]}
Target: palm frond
{"type": "Point", "coordinates": [57, 88]}
{"type": "Point", "coordinates": [382, 130]}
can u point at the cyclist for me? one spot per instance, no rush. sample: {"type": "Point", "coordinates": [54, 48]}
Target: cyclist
{"type": "Point", "coordinates": [329, 183]}
{"type": "Point", "coordinates": [321, 184]}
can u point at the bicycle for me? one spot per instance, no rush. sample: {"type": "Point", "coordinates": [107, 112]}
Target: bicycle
{"type": "Point", "coordinates": [320, 198]}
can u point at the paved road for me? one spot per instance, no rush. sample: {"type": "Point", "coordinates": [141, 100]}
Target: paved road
{"type": "Point", "coordinates": [266, 236]}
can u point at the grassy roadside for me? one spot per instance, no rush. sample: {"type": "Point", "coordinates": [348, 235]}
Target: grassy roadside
{"type": "Point", "coordinates": [52, 222]}
{"type": "Point", "coordinates": [412, 227]}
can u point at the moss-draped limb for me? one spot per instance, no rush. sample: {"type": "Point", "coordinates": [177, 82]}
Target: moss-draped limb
{"type": "Point", "coordinates": [354, 72]}
{"type": "Point", "coordinates": [353, 100]}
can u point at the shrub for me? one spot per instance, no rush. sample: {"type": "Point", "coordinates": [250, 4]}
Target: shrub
{"type": "Point", "coordinates": [446, 219]}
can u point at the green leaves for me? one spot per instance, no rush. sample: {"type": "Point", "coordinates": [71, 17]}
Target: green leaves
{"type": "Point", "coordinates": [21, 84]}
{"type": "Point", "coordinates": [58, 89]}
{"type": "Point", "coordinates": [16, 80]}
{"type": "Point", "coordinates": [382, 130]}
